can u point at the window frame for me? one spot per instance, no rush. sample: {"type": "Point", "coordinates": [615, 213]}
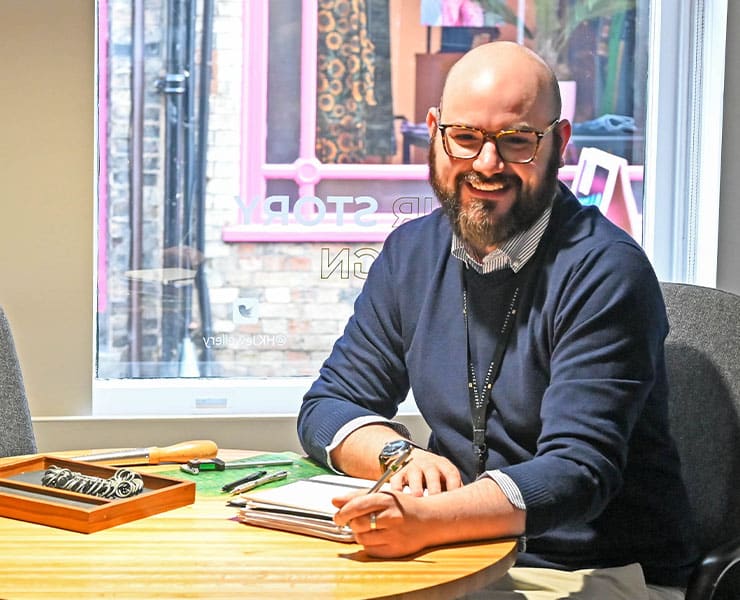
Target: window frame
{"type": "Point", "coordinates": [686, 70]}
{"type": "Point", "coordinates": [307, 171]}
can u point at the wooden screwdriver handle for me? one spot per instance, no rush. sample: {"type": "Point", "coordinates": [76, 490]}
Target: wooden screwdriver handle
{"type": "Point", "coordinates": [183, 452]}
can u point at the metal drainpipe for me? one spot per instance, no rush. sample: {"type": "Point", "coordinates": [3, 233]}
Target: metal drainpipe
{"type": "Point", "coordinates": [201, 282]}
{"type": "Point", "coordinates": [136, 182]}
{"type": "Point", "coordinates": [173, 86]}
{"type": "Point", "coordinates": [188, 113]}
{"type": "Point", "coordinates": [185, 245]}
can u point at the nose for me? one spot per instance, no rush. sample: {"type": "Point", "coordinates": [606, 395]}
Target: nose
{"type": "Point", "coordinates": [488, 160]}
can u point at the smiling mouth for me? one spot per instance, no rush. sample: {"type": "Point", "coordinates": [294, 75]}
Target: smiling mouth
{"type": "Point", "coordinates": [487, 187]}
{"type": "Point", "coordinates": [478, 184]}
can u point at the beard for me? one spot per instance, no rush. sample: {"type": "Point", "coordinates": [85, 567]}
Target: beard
{"type": "Point", "coordinates": [476, 223]}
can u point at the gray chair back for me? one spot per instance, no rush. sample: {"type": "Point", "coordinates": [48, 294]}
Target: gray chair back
{"type": "Point", "coordinates": [703, 362]}
{"type": "Point", "coordinates": [16, 430]}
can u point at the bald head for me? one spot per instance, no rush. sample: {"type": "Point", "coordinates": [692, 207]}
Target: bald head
{"type": "Point", "coordinates": [507, 74]}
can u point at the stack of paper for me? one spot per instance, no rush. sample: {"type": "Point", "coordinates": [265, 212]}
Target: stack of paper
{"type": "Point", "coordinates": [303, 506]}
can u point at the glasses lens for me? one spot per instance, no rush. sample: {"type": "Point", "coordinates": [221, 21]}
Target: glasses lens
{"type": "Point", "coordinates": [518, 146]}
{"type": "Point", "coordinates": [463, 142]}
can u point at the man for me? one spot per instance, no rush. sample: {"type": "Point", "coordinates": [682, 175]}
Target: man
{"type": "Point", "coordinates": [531, 331]}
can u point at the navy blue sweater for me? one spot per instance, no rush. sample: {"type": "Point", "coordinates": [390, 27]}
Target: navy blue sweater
{"type": "Point", "coordinates": [578, 417]}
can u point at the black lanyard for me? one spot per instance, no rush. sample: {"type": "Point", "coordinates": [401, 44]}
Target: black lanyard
{"type": "Point", "coordinates": [480, 397]}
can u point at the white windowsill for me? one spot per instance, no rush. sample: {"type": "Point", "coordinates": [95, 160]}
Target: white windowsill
{"type": "Point", "coordinates": [200, 397]}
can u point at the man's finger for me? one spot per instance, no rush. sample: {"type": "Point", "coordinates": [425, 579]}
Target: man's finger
{"type": "Point", "coordinates": [411, 481]}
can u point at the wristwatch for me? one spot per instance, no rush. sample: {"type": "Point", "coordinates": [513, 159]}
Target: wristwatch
{"type": "Point", "coordinates": [392, 450]}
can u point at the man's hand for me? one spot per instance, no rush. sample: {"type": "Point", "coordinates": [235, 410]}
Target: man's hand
{"type": "Point", "coordinates": [401, 525]}
{"type": "Point", "coordinates": [404, 524]}
{"type": "Point", "coordinates": [357, 456]}
{"type": "Point", "coordinates": [427, 471]}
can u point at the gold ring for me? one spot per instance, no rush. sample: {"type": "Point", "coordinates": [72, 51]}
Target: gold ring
{"type": "Point", "coordinates": [373, 522]}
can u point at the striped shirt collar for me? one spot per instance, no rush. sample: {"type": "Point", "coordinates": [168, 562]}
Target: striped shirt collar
{"type": "Point", "coordinates": [514, 253]}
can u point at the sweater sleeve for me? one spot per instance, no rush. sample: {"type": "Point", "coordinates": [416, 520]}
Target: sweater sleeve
{"type": "Point", "coordinates": [607, 325]}
{"type": "Point", "coordinates": [365, 374]}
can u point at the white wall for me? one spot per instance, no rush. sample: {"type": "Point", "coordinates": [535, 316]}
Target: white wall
{"type": "Point", "coordinates": [728, 268]}
{"type": "Point", "coordinates": [46, 230]}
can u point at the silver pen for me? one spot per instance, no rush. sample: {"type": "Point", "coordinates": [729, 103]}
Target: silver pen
{"type": "Point", "coordinates": [398, 463]}
{"type": "Point", "coordinates": [276, 476]}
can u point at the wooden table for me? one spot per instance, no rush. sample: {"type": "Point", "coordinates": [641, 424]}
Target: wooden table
{"type": "Point", "coordinates": [200, 551]}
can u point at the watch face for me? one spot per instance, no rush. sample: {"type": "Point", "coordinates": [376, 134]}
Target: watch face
{"type": "Point", "coordinates": [395, 447]}
{"type": "Point", "coordinates": [393, 452]}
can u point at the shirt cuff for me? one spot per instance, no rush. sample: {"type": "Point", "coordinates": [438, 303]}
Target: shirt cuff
{"type": "Point", "coordinates": [355, 424]}
{"type": "Point", "coordinates": [508, 487]}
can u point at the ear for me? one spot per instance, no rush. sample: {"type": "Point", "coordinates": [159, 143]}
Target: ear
{"type": "Point", "coordinates": [432, 120]}
{"type": "Point", "coordinates": [564, 129]}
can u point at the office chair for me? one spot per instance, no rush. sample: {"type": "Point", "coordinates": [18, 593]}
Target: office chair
{"type": "Point", "coordinates": [703, 364]}
{"type": "Point", "coordinates": [16, 430]}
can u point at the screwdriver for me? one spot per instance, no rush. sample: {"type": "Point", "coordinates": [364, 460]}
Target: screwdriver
{"type": "Point", "coordinates": [177, 453]}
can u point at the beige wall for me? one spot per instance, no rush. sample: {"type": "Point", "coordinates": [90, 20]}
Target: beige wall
{"type": "Point", "coordinates": [46, 229]}
{"type": "Point", "coordinates": [46, 190]}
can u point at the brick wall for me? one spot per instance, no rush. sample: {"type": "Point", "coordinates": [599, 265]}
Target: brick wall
{"type": "Point", "coordinates": [301, 307]}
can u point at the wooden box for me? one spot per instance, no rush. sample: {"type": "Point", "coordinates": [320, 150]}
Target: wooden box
{"type": "Point", "coordinates": [23, 497]}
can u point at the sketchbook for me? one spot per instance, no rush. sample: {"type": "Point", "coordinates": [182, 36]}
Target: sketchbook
{"type": "Point", "coordinates": [303, 506]}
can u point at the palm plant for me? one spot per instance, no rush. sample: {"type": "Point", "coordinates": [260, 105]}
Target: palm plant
{"type": "Point", "coordinates": [555, 22]}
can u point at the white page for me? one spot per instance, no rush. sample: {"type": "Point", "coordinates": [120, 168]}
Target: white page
{"type": "Point", "coordinates": [312, 495]}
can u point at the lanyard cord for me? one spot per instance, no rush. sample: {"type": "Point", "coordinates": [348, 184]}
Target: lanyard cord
{"type": "Point", "coordinates": [480, 397]}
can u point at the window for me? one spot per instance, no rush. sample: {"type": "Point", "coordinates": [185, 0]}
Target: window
{"type": "Point", "coordinates": [254, 155]}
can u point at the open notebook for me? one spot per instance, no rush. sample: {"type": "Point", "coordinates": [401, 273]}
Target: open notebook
{"type": "Point", "coordinates": [303, 506]}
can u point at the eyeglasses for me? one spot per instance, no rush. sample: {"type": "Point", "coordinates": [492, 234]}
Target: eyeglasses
{"type": "Point", "coordinates": [512, 145]}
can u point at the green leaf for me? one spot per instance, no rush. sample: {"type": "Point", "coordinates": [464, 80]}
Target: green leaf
{"type": "Point", "coordinates": [502, 9]}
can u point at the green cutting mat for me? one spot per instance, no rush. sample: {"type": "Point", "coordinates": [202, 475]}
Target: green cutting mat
{"type": "Point", "coordinates": [209, 483]}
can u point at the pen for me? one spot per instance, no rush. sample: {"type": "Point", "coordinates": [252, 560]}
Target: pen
{"type": "Point", "coordinates": [197, 465]}
{"type": "Point", "coordinates": [251, 477]}
{"type": "Point", "coordinates": [398, 463]}
{"type": "Point", "coordinates": [259, 463]}
{"type": "Point", "coordinates": [250, 485]}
